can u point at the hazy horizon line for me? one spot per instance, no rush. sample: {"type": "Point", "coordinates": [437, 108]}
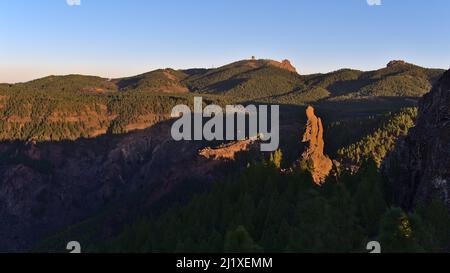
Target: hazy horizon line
{"type": "Point", "coordinates": [305, 72]}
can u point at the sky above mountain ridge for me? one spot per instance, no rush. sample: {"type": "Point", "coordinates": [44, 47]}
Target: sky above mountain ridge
{"type": "Point", "coordinates": [116, 38]}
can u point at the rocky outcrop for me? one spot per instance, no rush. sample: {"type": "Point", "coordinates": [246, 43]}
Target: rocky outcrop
{"type": "Point", "coordinates": [227, 151]}
{"type": "Point", "coordinates": [285, 64]}
{"type": "Point", "coordinates": [419, 168]}
{"type": "Point", "coordinates": [395, 63]}
{"type": "Point", "coordinates": [320, 164]}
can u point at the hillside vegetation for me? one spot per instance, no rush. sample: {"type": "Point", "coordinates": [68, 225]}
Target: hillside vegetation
{"type": "Point", "coordinates": [163, 80]}
{"type": "Point", "coordinates": [76, 106]}
{"type": "Point", "coordinates": [382, 140]}
{"type": "Point", "coordinates": [263, 210]}
{"type": "Point", "coordinates": [44, 115]}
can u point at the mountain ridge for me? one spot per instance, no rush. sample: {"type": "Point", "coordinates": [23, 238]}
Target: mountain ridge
{"type": "Point", "coordinates": [75, 106]}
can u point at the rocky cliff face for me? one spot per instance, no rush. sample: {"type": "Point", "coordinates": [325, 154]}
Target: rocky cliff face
{"type": "Point", "coordinates": [419, 168]}
{"type": "Point", "coordinates": [45, 187]}
{"type": "Point", "coordinates": [314, 152]}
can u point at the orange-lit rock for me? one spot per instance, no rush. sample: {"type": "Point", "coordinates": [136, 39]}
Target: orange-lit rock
{"type": "Point", "coordinates": [227, 151]}
{"type": "Point", "coordinates": [314, 152]}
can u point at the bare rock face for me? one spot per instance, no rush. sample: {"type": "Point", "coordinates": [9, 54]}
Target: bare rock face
{"type": "Point", "coordinates": [227, 151]}
{"type": "Point", "coordinates": [314, 153]}
{"type": "Point", "coordinates": [419, 168]}
{"type": "Point", "coordinates": [285, 64]}
{"type": "Point", "coordinates": [49, 186]}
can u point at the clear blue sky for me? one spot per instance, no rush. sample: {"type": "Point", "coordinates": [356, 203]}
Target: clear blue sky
{"type": "Point", "coordinates": [115, 38]}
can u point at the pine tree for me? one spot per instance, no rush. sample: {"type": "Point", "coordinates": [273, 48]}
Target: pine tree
{"type": "Point", "coordinates": [437, 220]}
{"type": "Point", "coordinates": [397, 233]}
{"type": "Point", "coordinates": [276, 158]}
{"type": "Point", "coordinates": [369, 197]}
{"type": "Point", "coordinates": [240, 241]}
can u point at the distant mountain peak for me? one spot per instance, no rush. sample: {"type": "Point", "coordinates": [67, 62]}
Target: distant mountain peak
{"type": "Point", "coordinates": [284, 64]}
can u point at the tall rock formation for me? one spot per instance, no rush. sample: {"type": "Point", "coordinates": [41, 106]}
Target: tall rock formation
{"type": "Point", "coordinates": [419, 168]}
{"type": "Point", "coordinates": [320, 164]}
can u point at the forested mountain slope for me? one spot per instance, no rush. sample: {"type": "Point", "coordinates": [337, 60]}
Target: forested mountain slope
{"type": "Point", "coordinates": [75, 106]}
